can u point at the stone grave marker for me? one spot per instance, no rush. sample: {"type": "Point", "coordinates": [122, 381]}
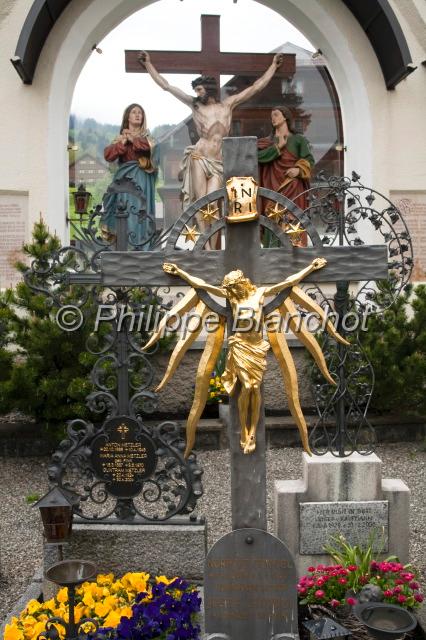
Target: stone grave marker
{"type": "Point", "coordinates": [250, 587]}
{"type": "Point", "coordinates": [319, 521]}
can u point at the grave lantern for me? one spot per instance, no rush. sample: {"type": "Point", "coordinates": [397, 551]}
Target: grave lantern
{"type": "Point", "coordinates": [81, 200]}
{"type": "Point", "coordinates": [325, 628]}
{"type": "Point", "coordinates": [56, 510]}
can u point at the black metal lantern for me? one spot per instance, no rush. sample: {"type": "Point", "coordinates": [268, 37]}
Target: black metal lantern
{"type": "Point", "coordinates": [81, 200]}
{"type": "Point", "coordinates": [325, 628]}
{"type": "Point", "coordinates": [56, 510]}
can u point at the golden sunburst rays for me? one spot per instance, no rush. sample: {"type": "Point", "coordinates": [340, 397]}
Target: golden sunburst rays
{"type": "Point", "coordinates": [295, 231]}
{"type": "Point", "coordinates": [288, 371]}
{"type": "Point", "coordinates": [192, 331]}
{"type": "Point", "coordinates": [185, 304]}
{"type": "Point", "coordinates": [205, 368]}
{"type": "Point", "coordinates": [299, 296]}
{"type": "Point", "coordinates": [210, 213]}
{"type": "Point", "coordinates": [305, 337]}
{"type": "Point", "coordinates": [191, 234]}
{"type": "Point", "coordinates": [276, 212]}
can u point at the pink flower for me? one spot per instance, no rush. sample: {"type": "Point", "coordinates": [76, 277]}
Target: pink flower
{"type": "Point", "coordinates": [320, 567]}
{"type": "Point", "coordinates": [310, 583]}
{"type": "Point", "coordinates": [302, 590]}
{"type": "Point", "coordinates": [334, 602]}
{"type": "Point", "coordinates": [401, 598]}
{"type": "Point", "coordinates": [418, 597]}
{"type": "Point", "coordinates": [319, 593]}
{"type": "Point", "coordinates": [351, 601]}
{"type": "Point", "coordinates": [342, 581]}
{"type": "Point", "coordinates": [397, 590]}
{"type": "Point", "coordinates": [398, 581]}
{"type": "Point", "coordinates": [352, 567]}
{"type": "Point", "coordinates": [311, 569]}
{"type": "Point", "coordinates": [320, 581]}
{"type": "Point", "coordinates": [414, 585]}
{"type": "Point", "coordinates": [388, 593]}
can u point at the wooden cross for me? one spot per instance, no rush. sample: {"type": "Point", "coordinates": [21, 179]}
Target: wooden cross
{"type": "Point", "coordinates": [262, 266]}
{"type": "Point", "coordinates": [211, 61]}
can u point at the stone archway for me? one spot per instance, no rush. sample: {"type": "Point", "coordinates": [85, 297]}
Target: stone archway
{"type": "Point", "coordinates": [351, 62]}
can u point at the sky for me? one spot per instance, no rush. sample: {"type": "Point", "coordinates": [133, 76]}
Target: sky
{"type": "Point", "coordinates": [104, 89]}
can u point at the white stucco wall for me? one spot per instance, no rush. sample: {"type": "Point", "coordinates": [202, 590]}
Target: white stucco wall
{"type": "Point", "coordinates": [383, 129]}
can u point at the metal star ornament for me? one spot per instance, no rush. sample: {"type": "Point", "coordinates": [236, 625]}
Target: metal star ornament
{"type": "Point", "coordinates": [209, 214]}
{"type": "Point", "coordinates": [295, 231]}
{"type": "Point", "coordinates": [191, 234]}
{"type": "Point", "coordinates": [276, 212]}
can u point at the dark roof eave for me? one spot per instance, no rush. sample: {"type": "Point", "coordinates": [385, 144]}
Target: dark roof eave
{"type": "Point", "coordinates": [376, 18]}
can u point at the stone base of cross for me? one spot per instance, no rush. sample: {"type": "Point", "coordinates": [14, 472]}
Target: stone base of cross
{"type": "Point", "coordinates": [263, 266]}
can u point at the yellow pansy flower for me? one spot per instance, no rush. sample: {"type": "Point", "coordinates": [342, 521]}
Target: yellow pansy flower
{"type": "Point", "coordinates": [104, 579]}
{"type": "Point", "coordinates": [13, 633]}
{"type": "Point", "coordinates": [88, 599]}
{"type": "Point", "coordinates": [164, 580]}
{"type": "Point", "coordinates": [33, 606]}
{"type": "Point", "coordinates": [102, 609]}
{"type": "Point", "coordinates": [112, 619]}
{"type": "Point", "coordinates": [125, 611]}
{"type": "Point", "coordinates": [36, 630]}
{"type": "Point", "coordinates": [62, 595]}
{"type": "Point", "coordinates": [79, 611]}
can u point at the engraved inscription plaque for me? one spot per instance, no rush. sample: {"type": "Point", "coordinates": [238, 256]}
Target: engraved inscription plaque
{"type": "Point", "coordinates": [13, 228]}
{"type": "Point", "coordinates": [123, 457]}
{"type": "Point", "coordinates": [354, 520]}
{"type": "Point", "coordinates": [250, 587]}
{"type": "Point", "coordinates": [412, 205]}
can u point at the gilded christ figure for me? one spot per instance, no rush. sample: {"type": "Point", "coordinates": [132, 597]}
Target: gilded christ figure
{"type": "Point", "coordinates": [247, 348]}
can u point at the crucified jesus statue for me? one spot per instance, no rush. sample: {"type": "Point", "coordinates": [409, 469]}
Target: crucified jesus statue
{"type": "Point", "coordinates": [202, 163]}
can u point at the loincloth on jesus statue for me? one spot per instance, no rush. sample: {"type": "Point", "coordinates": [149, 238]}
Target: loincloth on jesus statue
{"type": "Point", "coordinates": [210, 167]}
{"type": "Point", "coordinates": [246, 360]}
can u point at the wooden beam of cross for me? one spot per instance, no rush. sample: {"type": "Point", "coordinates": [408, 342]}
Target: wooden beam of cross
{"type": "Point", "coordinates": [263, 266]}
{"type": "Point", "coordinates": [211, 61]}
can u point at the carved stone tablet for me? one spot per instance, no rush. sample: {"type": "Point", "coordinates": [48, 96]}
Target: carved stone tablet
{"type": "Point", "coordinates": [13, 229]}
{"type": "Point", "coordinates": [123, 457]}
{"type": "Point", "coordinates": [354, 520]}
{"type": "Point", "coordinates": [250, 587]}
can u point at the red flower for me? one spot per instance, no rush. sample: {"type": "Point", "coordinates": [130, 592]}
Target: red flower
{"type": "Point", "coordinates": [311, 569]}
{"type": "Point", "coordinates": [310, 583]}
{"type": "Point", "coordinates": [302, 590]}
{"type": "Point", "coordinates": [351, 601]}
{"type": "Point", "coordinates": [319, 593]}
{"type": "Point", "coordinates": [418, 597]}
{"type": "Point", "coordinates": [388, 593]}
{"type": "Point", "coordinates": [397, 590]}
{"type": "Point", "coordinates": [342, 581]}
{"type": "Point", "coordinates": [334, 602]}
{"type": "Point", "coordinates": [414, 585]}
{"type": "Point", "coordinates": [402, 598]}
{"type": "Point", "coordinates": [352, 567]}
{"type": "Point", "coordinates": [321, 581]}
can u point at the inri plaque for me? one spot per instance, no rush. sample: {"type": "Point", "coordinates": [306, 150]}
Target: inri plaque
{"type": "Point", "coordinates": [250, 587]}
{"type": "Point", "coordinates": [123, 457]}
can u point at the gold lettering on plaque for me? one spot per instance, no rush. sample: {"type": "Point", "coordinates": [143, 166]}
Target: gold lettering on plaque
{"type": "Point", "coordinates": [242, 195]}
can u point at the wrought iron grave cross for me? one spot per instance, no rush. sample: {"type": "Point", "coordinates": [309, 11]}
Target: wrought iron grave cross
{"type": "Point", "coordinates": [263, 266]}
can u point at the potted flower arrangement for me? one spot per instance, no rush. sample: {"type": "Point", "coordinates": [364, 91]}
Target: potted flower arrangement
{"type": "Point", "coordinates": [357, 577]}
{"type": "Point", "coordinates": [133, 606]}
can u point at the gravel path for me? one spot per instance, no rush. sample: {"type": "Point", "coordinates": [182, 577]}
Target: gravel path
{"type": "Point", "coordinates": [20, 525]}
